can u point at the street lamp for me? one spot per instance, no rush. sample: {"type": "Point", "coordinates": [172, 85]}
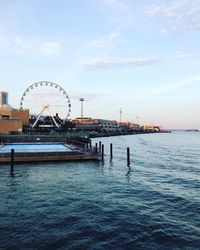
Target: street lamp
{"type": "Point", "coordinates": [120, 115]}
{"type": "Point", "coordinates": [137, 117]}
{"type": "Point", "coordinates": [81, 100]}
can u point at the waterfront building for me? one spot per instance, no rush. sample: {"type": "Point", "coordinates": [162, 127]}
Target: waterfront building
{"type": "Point", "coordinates": [108, 125]}
{"type": "Point", "coordinates": [11, 119]}
{"type": "Point", "coordinates": [129, 126]}
{"type": "Point", "coordinates": [3, 99]}
{"type": "Point", "coordinates": [88, 123]}
{"type": "Point", "coordinates": [151, 128]}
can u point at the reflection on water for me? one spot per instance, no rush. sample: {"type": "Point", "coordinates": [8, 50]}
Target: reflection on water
{"type": "Point", "coordinates": [12, 173]}
{"type": "Point", "coordinates": [152, 204]}
{"type": "Point", "coordinates": [128, 174]}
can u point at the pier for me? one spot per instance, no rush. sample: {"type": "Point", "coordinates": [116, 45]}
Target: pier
{"type": "Point", "coordinates": [49, 156]}
{"type": "Point", "coordinates": [46, 149]}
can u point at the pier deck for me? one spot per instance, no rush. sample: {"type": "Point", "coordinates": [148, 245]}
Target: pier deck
{"type": "Point", "coordinates": [49, 156]}
{"type": "Point", "coordinates": [44, 152]}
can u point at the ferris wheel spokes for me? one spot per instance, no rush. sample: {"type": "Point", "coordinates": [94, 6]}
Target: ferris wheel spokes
{"type": "Point", "coordinates": [53, 118]}
{"type": "Point", "coordinates": [46, 99]}
{"type": "Point", "coordinates": [40, 114]}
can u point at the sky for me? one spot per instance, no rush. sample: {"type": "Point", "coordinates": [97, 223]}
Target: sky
{"type": "Point", "coordinates": [142, 57]}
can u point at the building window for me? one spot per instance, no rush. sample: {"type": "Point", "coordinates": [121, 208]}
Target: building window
{"type": "Point", "coordinates": [5, 117]}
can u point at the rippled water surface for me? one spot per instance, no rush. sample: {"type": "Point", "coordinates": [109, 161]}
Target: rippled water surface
{"type": "Point", "coordinates": [154, 204]}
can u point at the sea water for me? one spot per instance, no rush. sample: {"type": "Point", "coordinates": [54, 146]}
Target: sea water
{"type": "Point", "coordinates": [153, 204]}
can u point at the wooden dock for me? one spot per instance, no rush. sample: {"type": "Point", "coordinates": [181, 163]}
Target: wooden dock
{"type": "Point", "coordinates": [22, 157]}
{"type": "Point", "coordinates": [82, 149]}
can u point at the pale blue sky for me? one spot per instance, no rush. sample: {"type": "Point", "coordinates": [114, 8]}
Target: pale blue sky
{"type": "Point", "coordinates": [141, 56]}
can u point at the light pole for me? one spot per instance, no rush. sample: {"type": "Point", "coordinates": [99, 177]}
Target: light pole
{"type": "Point", "coordinates": [120, 115]}
{"type": "Point", "coordinates": [81, 100]}
{"type": "Point", "coordinates": [137, 117]}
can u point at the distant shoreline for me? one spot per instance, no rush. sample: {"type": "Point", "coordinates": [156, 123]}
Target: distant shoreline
{"type": "Point", "coordinates": [186, 130]}
{"type": "Point", "coordinates": [79, 137]}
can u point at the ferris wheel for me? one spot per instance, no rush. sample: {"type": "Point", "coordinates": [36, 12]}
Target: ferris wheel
{"type": "Point", "coordinates": [46, 99]}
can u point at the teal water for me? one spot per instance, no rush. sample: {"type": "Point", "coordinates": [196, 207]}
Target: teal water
{"type": "Point", "coordinates": [154, 204]}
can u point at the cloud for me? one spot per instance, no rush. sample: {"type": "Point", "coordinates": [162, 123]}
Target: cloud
{"type": "Point", "coordinates": [171, 87]}
{"type": "Point", "coordinates": [19, 46]}
{"type": "Point", "coordinates": [119, 13]}
{"type": "Point", "coordinates": [103, 41]}
{"type": "Point", "coordinates": [175, 15]}
{"type": "Point", "coordinates": [112, 63]}
{"type": "Point", "coordinates": [114, 35]}
{"type": "Point", "coordinates": [168, 10]}
{"type": "Point", "coordinates": [116, 4]}
{"type": "Point", "coordinates": [14, 45]}
{"type": "Point", "coordinates": [50, 48]}
{"type": "Point", "coordinates": [186, 55]}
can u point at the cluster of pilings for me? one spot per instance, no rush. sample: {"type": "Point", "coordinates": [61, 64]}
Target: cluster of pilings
{"type": "Point", "coordinates": [100, 149]}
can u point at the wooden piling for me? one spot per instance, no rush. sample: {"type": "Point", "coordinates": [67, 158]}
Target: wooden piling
{"type": "Point", "coordinates": [85, 147]}
{"type": "Point", "coordinates": [100, 147]}
{"type": "Point", "coordinates": [96, 147]}
{"type": "Point", "coordinates": [12, 159]}
{"type": "Point", "coordinates": [128, 156]}
{"type": "Point", "coordinates": [102, 152]}
{"type": "Point", "coordinates": [111, 151]}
